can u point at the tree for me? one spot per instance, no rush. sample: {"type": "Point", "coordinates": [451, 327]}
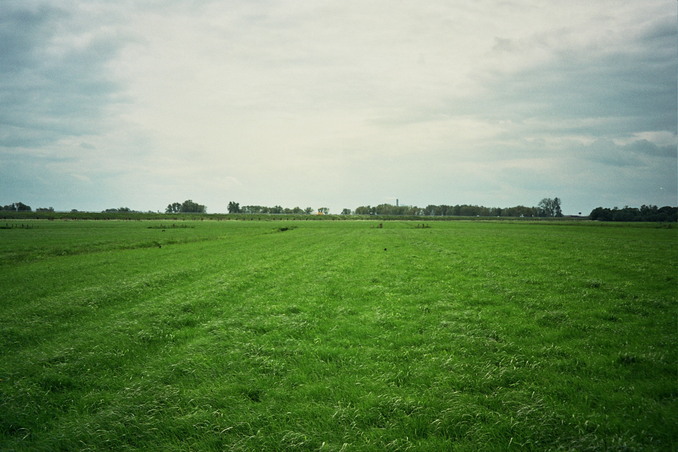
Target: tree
{"type": "Point", "coordinates": [233, 207]}
{"type": "Point", "coordinates": [550, 208]}
{"type": "Point", "coordinates": [119, 209]}
{"type": "Point", "coordinates": [17, 207]}
{"type": "Point", "coordinates": [175, 207]}
{"type": "Point", "coordinates": [346, 212]}
{"type": "Point", "coordinates": [323, 211]}
{"type": "Point", "coordinates": [645, 213]}
{"type": "Point", "coordinates": [187, 206]}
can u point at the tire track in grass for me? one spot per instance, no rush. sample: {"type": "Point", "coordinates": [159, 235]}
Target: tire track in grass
{"type": "Point", "coordinates": [100, 339]}
{"type": "Point", "coordinates": [276, 359]}
{"type": "Point", "coordinates": [147, 332]}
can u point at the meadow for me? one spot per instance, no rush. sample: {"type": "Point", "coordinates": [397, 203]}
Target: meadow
{"type": "Point", "coordinates": [338, 336]}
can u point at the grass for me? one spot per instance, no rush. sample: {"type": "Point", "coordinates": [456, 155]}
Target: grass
{"type": "Point", "coordinates": [135, 335]}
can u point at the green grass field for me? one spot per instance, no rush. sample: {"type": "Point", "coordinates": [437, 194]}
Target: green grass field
{"type": "Point", "coordinates": [329, 336]}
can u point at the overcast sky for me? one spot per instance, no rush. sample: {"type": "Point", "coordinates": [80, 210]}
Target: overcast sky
{"type": "Point", "coordinates": [338, 103]}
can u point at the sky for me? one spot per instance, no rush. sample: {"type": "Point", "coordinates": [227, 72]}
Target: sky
{"type": "Point", "coordinates": [338, 103]}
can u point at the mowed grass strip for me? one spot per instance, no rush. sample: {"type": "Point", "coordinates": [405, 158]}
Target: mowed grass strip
{"type": "Point", "coordinates": [338, 336]}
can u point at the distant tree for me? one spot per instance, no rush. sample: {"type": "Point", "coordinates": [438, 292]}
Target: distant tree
{"type": "Point", "coordinates": [645, 213]}
{"type": "Point", "coordinates": [233, 207]}
{"type": "Point", "coordinates": [519, 211]}
{"type": "Point", "coordinates": [601, 214]}
{"type": "Point", "coordinates": [432, 210]}
{"type": "Point", "coordinates": [667, 213]}
{"type": "Point", "coordinates": [308, 210]}
{"type": "Point", "coordinates": [390, 209]}
{"type": "Point", "coordinates": [465, 210]}
{"type": "Point", "coordinates": [17, 207]}
{"type": "Point", "coordinates": [365, 210]}
{"type": "Point", "coordinates": [119, 209]}
{"type": "Point", "coordinates": [251, 209]}
{"type": "Point", "coordinates": [550, 208]}
{"type": "Point", "coordinates": [346, 212]}
{"type": "Point", "coordinates": [45, 209]}
{"type": "Point", "coordinates": [175, 207]}
{"type": "Point", "coordinates": [187, 206]}
{"type": "Point", "coordinates": [323, 210]}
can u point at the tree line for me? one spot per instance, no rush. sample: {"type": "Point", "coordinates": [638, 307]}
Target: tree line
{"type": "Point", "coordinates": [21, 207]}
{"type": "Point", "coordinates": [547, 207]}
{"type": "Point", "coordinates": [444, 210]}
{"type": "Point", "coordinates": [234, 207]}
{"type": "Point", "coordinates": [17, 207]}
{"type": "Point", "coordinates": [644, 213]}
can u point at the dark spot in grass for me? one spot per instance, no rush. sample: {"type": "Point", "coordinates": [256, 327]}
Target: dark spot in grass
{"type": "Point", "coordinates": [384, 249]}
{"type": "Point", "coordinates": [185, 321]}
{"type": "Point", "coordinates": [610, 318]}
{"type": "Point", "coordinates": [60, 359]}
{"type": "Point", "coordinates": [627, 359]}
{"type": "Point", "coordinates": [253, 394]}
{"type": "Point", "coordinates": [172, 226]}
{"type": "Point", "coordinates": [594, 283]}
{"type": "Point", "coordinates": [259, 329]}
{"type": "Point", "coordinates": [293, 310]}
{"type": "Point", "coordinates": [56, 382]}
{"type": "Point", "coordinates": [285, 228]}
{"type": "Point", "coordinates": [553, 318]}
{"type": "Point", "coordinates": [15, 336]}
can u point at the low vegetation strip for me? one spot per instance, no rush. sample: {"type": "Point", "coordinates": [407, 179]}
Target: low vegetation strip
{"type": "Point", "coordinates": [254, 335]}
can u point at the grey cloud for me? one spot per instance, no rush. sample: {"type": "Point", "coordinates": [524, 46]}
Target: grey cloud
{"type": "Point", "coordinates": [22, 32]}
{"type": "Point", "coordinates": [634, 83]}
{"type": "Point", "coordinates": [661, 33]}
{"type": "Point", "coordinates": [640, 153]}
{"type": "Point", "coordinates": [609, 154]}
{"type": "Point", "coordinates": [614, 86]}
{"type": "Point", "coordinates": [49, 89]}
{"type": "Point", "coordinates": [644, 147]}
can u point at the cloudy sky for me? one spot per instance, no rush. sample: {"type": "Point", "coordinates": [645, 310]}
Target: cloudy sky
{"type": "Point", "coordinates": [338, 103]}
